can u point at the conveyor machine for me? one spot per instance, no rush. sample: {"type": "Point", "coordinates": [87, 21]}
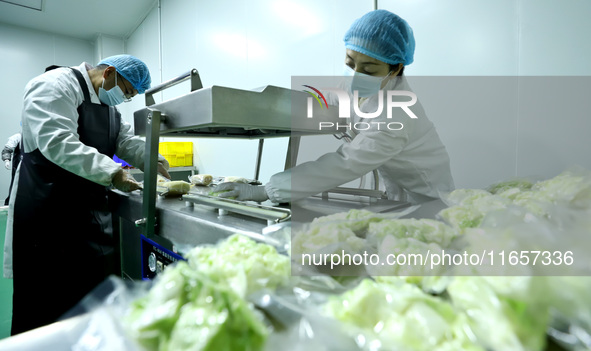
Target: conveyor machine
{"type": "Point", "coordinates": [164, 224]}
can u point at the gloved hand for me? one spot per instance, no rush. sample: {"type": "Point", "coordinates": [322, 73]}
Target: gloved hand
{"type": "Point", "coordinates": [7, 164]}
{"type": "Point", "coordinates": [163, 166]}
{"type": "Point", "coordinates": [163, 169]}
{"type": "Point", "coordinates": [124, 182]}
{"type": "Point", "coordinates": [242, 192]}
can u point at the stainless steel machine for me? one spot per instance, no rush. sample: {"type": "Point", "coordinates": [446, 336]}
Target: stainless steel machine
{"type": "Point", "coordinates": [153, 229]}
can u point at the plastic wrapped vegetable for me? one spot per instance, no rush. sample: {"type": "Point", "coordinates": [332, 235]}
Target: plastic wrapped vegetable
{"type": "Point", "coordinates": [328, 238]}
{"type": "Point", "coordinates": [464, 196]}
{"type": "Point", "coordinates": [425, 230]}
{"type": "Point", "coordinates": [340, 232]}
{"type": "Point", "coordinates": [400, 317]}
{"type": "Point", "coordinates": [430, 284]}
{"type": "Point", "coordinates": [356, 220]}
{"type": "Point", "coordinates": [185, 310]}
{"type": "Point", "coordinates": [175, 187]}
{"type": "Point", "coordinates": [510, 185]}
{"type": "Point", "coordinates": [409, 256]}
{"type": "Point", "coordinates": [505, 313]}
{"type": "Point", "coordinates": [337, 233]}
{"type": "Point", "coordinates": [568, 298]}
{"type": "Point", "coordinates": [201, 304]}
{"type": "Point", "coordinates": [471, 210]}
{"type": "Point", "coordinates": [241, 263]}
{"type": "Point", "coordinates": [571, 187]}
{"type": "Point", "coordinates": [461, 217]}
{"type": "Point", "coordinates": [201, 179]}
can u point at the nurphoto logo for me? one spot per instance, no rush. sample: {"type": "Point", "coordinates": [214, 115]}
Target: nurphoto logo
{"type": "Point", "coordinates": [344, 106]}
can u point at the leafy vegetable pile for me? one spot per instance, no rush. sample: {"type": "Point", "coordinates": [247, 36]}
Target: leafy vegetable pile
{"type": "Point", "coordinates": [468, 207]}
{"type": "Point", "coordinates": [401, 317]}
{"type": "Point", "coordinates": [203, 304]}
{"type": "Point", "coordinates": [410, 309]}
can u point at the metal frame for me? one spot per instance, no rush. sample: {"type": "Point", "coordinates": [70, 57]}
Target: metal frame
{"type": "Point", "coordinates": [148, 222]}
{"type": "Point", "coordinates": [153, 121]}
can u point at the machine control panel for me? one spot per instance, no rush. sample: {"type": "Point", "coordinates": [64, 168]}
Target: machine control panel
{"type": "Point", "coordinates": [155, 258]}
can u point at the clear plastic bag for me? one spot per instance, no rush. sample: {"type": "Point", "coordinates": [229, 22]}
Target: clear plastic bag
{"type": "Point", "coordinates": [94, 324]}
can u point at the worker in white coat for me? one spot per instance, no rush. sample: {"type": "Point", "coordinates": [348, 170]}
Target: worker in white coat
{"type": "Point", "coordinates": [59, 240]}
{"type": "Point", "coordinates": [11, 155]}
{"type": "Point", "coordinates": [411, 160]}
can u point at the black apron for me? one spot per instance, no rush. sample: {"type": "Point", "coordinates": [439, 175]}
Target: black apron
{"type": "Point", "coordinates": [62, 233]}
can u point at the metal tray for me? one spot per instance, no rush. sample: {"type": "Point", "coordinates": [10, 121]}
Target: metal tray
{"type": "Point", "coordinates": [219, 111]}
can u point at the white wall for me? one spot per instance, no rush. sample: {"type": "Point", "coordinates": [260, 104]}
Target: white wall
{"type": "Point", "coordinates": [105, 46]}
{"type": "Point", "coordinates": [475, 40]}
{"type": "Point", "coordinates": [554, 41]}
{"type": "Point", "coordinates": [246, 44]}
{"type": "Point", "coordinates": [144, 44]}
{"type": "Point", "coordinates": [525, 129]}
{"type": "Point", "coordinates": [24, 54]}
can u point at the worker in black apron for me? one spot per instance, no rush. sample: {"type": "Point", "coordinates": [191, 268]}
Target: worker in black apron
{"type": "Point", "coordinates": [14, 156]}
{"type": "Point", "coordinates": [55, 268]}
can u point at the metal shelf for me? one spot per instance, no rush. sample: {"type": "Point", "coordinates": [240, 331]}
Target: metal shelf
{"type": "Point", "coordinates": [223, 112]}
{"type": "Point", "coordinates": [192, 169]}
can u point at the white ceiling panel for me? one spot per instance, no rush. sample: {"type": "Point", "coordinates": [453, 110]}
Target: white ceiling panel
{"type": "Point", "coordinates": [32, 4]}
{"type": "Point", "coordinates": [82, 19]}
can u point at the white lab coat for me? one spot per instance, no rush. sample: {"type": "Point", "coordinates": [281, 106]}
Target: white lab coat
{"type": "Point", "coordinates": [50, 124]}
{"type": "Point", "coordinates": [412, 163]}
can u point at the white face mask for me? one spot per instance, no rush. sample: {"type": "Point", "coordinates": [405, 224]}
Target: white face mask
{"type": "Point", "coordinates": [112, 97]}
{"type": "Point", "coordinates": [365, 84]}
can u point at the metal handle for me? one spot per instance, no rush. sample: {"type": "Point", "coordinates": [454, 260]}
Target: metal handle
{"type": "Point", "coordinates": [377, 194]}
{"type": "Point", "coordinates": [268, 213]}
{"type": "Point", "coordinates": [257, 169]}
{"type": "Point", "coordinates": [376, 180]}
{"type": "Point", "coordinates": [192, 74]}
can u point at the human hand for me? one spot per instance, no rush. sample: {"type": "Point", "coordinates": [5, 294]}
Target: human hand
{"type": "Point", "coordinates": [163, 169]}
{"type": "Point", "coordinates": [7, 164]}
{"type": "Point", "coordinates": [163, 166]}
{"type": "Point", "coordinates": [242, 192]}
{"type": "Point", "coordinates": [124, 182]}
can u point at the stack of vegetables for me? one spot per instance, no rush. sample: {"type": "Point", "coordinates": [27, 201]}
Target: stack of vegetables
{"type": "Point", "coordinates": [205, 304]}
{"type": "Point", "coordinates": [201, 304]}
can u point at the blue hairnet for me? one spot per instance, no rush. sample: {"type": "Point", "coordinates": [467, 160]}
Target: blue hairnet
{"type": "Point", "coordinates": [382, 35]}
{"type": "Point", "coordinates": [132, 69]}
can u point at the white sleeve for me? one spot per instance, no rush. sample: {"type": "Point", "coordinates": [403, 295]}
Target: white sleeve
{"type": "Point", "coordinates": [50, 123]}
{"type": "Point", "coordinates": [130, 147]}
{"type": "Point", "coordinates": [13, 141]}
{"type": "Point", "coordinates": [9, 147]}
{"type": "Point", "coordinates": [368, 151]}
